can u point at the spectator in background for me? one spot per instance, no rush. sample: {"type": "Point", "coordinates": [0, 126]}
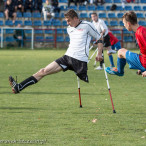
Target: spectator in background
{"type": "Point", "coordinates": [19, 6]}
{"type": "Point", "coordinates": [10, 11]}
{"type": "Point", "coordinates": [28, 5]}
{"type": "Point", "coordinates": [75, 2]}
{"type": "Point", "coordinates": [38, 5]}
{"type": "Point", "coordinates": [19, 36]}
{"type": "Point", "coordinates": [83, 2]}
{"type": "Point", "coordinates": [55, 3]}
{"type": "Point", "coordinates": [48, 10]}
{"type": "Point", "coordinates": [2, 3]}
{"type": "Point", "coordinates": [98, 1]}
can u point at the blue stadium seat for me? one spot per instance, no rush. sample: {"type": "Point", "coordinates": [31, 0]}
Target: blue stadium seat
{"type": "Point", "coordinates": [140, 15]}
{"type": "Point", "coordinates": [49, 31]}
{"type": "Point", "coordinates": [106, 22]}
{"type": "Point", "coordinates": [128, 8]}
{"type": "Point", "coordinates": [128, 39]}
{"type": "Point", "coordinates": [28, 31]}
{"type": "Point", "coordinates": [57, 15]}
{"type": "Point", "coordinates": [28, 38]}
{"type": "Point", "coordinates": [137, 8]}
{"type": "Point", "coordinates": [39, 39]}
{"type": "Point", "coordinates": [49, 39]}
{"type": "Point", "coordinates": [119, 8]}
{"type": "Point", "coordinates": [119, 38]}
{"type": "Point", "coordinates": [113, 23]}
{"type": "Point", "coordinates": [9, 39]}
{"type": "Point", "coordinates": [9, 31]}
{"type": "Point", "coordinates": [116, 32]}
{"type": "Point", "coordinates": [82, 8]}
{"type": "Point", "coordinates": [100, 8]}
{"type": "Point", "coordinates": [62, 15]}
{"type": "Point", "coordinates": [36, 15]}
{"type": "Point", "coordinates": [73, 7]}
{"type": "Point", "coordinates": [119, 15]}
{"type": "Point", "coordinates": [1, 15]}
{"type": "Point", "coordinates": [83, 15]}
{"type": "Point", "coordinates": [116, 1]}
{"type": "Point", "coordinates": [9, 22]}
{"type": "Point", "coordinates": [64, 23]}
{"type": "Point", "coordinates": [37, 23]}
{"type": "Point", "coordinates": [143, 1]}
{"type": "Point", "coordinates": [108, 1]}
{"type": "Point", "coordinates": [125, 31]}
{"type": "Point", "coordinates": [56, 22]}
{"type": "Point", "coordinates": [1, 23]}
{"type": "Point", "coordinates": [59, 31]}
{"type": "Point", "coordinates": [144, 8]}
{"type": "Point", "coordinates": [27, 15]}
{"type": "Point", "coordinates": [63, 8]}
{"type": "Point", "coordinates": [67, 39]}
{"type": "Point", "coordinates": [60, 39]}
{"type": "Point", "coordinates": [142, 22]}
{"type": "Point", "coordinates": [19, 15]}
{"type": "Point", "coordinates": [63, 1]}
{"type": "Point", "coordinates": [47, 23]}
{"type": "Point", "coordinates": [27, 23]}
{"type": "Point", "coordinates": [112, 15]}
{"type": "Point", "coordinates": [121, 23]}
{"type": "Point", "coordinates": [18, 22]}
{"type": "Point", "coordinates": [102, 15]}
{"type": "Point", "coordinates": [65, 30]}
{"type": "Point", "coordinates": [108, 8]}
{"type": "Point", "coordinates": [39, 31]}
{"type": "Point", "coordinates": [91, 8]}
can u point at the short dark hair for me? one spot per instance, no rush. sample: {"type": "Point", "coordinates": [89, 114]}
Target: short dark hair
{"type": "Point", "coordinates": [71, 13]}
{"type": "Point", "coordinates": [130, 17]}
{"type": "Point", "coordinates": [94, 14]}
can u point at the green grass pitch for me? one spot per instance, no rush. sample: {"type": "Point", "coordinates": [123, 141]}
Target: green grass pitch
{"type": "Point", "coordinates": [48, 113]}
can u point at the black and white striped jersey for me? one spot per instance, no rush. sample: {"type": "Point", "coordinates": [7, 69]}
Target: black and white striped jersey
{"type": "Point", "coordinates": [100, 26]}
{"type": "Point", "coordinates": [80, 37]}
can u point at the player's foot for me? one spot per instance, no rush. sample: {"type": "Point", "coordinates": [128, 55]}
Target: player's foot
{"type": "Point", "coordinates": [112, 52]}
{"type": "Point", "coordinates": [113, 71]}
{"type": "Point", "coordinates": [14, 85]}
{"type": "Point", "coordinates": [99, 68]}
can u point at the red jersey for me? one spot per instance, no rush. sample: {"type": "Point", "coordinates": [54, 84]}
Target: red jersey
{"type": "Point", "coordinates": [141, 40]}
{"type": "Point", "coordinates": [113, 39]}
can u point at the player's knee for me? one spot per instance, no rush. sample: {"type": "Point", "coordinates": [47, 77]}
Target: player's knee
{"type": "Point", "coordinates": [108, 53]}
{"type": "Point", "coordinates": [121, 52]}
{"type": "Point", "coordinates": [42, 72]}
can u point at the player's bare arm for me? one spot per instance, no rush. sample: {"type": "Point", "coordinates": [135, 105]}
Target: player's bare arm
{"type": "Point", "coordinates": [100, 48]}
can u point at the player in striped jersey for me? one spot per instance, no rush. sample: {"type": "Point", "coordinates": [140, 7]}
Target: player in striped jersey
{"type": "Point", "coordinates": [76, 56]}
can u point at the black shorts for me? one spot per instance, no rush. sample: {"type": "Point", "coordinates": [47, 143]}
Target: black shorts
{"type": "Point", "coordinates": [79, 67]}
{"type": "Point", "coordinates": [106, 41]}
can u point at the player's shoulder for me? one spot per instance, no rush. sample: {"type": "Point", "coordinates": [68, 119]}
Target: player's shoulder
{"type": "Point", "coordinates": [87, 23]}
{"type": "Point", "coordinates": [141, 29]}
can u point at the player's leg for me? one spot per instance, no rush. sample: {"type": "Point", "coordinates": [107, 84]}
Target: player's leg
{"type": "Point", "coordinates": [49, 69]}
{"type": "Point", "coordinates": [121, 62]}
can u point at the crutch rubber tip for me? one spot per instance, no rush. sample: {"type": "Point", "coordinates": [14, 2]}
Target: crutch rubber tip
{"type": "Point", "coordinates": [114, 111]}
{"type": "Point", "coordinates": [80, 106]}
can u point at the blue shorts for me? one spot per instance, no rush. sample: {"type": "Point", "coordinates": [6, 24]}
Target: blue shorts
{"type": "Point", "coordinates": [133, 61]}
{"type": "Point", "coordinates": [116, 46]}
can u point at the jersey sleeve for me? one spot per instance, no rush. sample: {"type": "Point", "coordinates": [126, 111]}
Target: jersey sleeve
{"type": "Point", "coordinates": [93, 32]}
{"type": "Point", "coordinates": [102, 25]}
